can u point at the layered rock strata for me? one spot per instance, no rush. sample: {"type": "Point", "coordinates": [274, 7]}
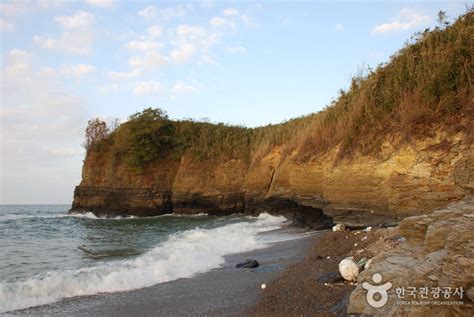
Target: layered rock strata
{"type": "Point", "coordinates": [409, 178]}
{"type": "Point", "coordinates": [432, 273]}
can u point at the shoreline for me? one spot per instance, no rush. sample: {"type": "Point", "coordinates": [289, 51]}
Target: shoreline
{"type": "Point", "coordinates": [222, 291]}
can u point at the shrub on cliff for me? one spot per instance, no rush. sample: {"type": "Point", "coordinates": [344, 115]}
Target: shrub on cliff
{"type": "Point", "coordinates": [426, 85]}
{"type": "Point", "coordinates": [146, 137]}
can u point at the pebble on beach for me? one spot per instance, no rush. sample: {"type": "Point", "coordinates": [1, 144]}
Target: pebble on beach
{"type": "Point", "coordinates": [264, 286]}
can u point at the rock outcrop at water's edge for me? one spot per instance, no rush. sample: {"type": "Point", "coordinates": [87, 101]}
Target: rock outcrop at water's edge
{"type": "Point", "coordinates": [438, 252]}
{"type": "Point", "coordinates": [397, 143]}
{"type": "Point", "coordinates": [361, 190]}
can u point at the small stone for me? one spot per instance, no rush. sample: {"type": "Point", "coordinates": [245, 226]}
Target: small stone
{"type": "Point", "coordinates": [433, 277]}
{"type": "Point", "coordinates": [264, 286]}
{"type": "Point", "coordinates": [329, 277]}
{"type": "Point", "coordinates": [339, 227]}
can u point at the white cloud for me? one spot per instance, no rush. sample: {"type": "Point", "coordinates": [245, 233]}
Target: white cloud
{"type": "Point", "coordinates": [109, 88]}
{"type": "Point", "coordinates": [248, 21]}
{"type": "Point", "coordinates": [147, 87]}
{"type": "Point", "coordinates": [149, 12]}
{"type": "Point", "coordinates": [124, 75]}
{"type": "Point", "coordinates": [183, 88]}
{"type": "Point", "coordinates": [147, 43]}
{"type": "Point", "coordinates": [195, 34]}
{"type": "Point", "coordinates": [80, 19]}
{"type": "Point", "coordinates": [339, 28]}
{"type": "Point", "coordinates": [144, 45]}
{"type": "Point", "coordinates": [236, 49]}
{"type": "Point", "coordinates": [101, 3]}
{"type": "Point", "coordinates": [152, 11]}
{"type": "Point", "coordinates": [42, 131]}
{"type": "Point", "coordinates": [78, 70]}
{"type": "Point", "coordinates": [149, 61]}
{"type": "Point", "coordinates": [175, 12]}
{"type": "Point", "coordinates": [230, 12]}
{"type": "Point", "coordinates": [183, 53]}
{"type": "Point", "coordinates": [18, 8]}
{"type": "Point", "coordinates": [154, 31]}
{"type": "Point", "coordinates": [6, 26]}
{"type": "Point", "coordinates": [407, 19]}
{"type": "Point", "coordinates": [47, 72]}
{"type": "Point", "coordinates": [70, 42]}
{"type": "Point", "coordinates": [217, 21]}
{"type": "Point", "coordinates": [206, 59]}
{"type": "Point", "coordinates": [232, 19]}
{"type": "Point", "coordinates": [220, 22]}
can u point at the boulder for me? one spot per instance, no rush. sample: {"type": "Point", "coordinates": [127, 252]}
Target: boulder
{"type": "Point", "coordinates": [438, 252]}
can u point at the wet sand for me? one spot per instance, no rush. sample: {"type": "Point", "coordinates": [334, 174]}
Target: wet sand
{"type": "Point", "coordinates": [225, 291]}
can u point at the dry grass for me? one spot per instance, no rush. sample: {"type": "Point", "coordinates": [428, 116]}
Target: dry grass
{"type": "Point", "coordinates": [427, 83]}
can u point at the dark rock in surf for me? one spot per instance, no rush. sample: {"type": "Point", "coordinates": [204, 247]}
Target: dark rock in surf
{"type": "Point", "coordinates": [248, 264]}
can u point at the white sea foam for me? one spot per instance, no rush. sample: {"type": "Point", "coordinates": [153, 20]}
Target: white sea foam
{"type": "Point", "coordinates": [8, 217]}
{"type": "Point", "coordinates": [85, 215]}
{"type": "Point", "coordinates": [182, 255]}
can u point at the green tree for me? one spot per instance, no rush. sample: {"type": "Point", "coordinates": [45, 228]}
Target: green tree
{"type": "Point", "coordinates": [96, 131]}
{"type": "Point", "coordinates": [150, 136]}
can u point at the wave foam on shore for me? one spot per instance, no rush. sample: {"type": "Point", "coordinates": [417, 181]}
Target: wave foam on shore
{"type": "Point", "coordinates": [182, 255]}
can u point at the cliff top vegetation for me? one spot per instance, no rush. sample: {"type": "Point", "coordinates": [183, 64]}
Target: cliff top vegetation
{"type": "Point", "coordinates": [426, 84]}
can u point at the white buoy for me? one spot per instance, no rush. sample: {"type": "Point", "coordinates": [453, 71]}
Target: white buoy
{"type": "Point", "coordinates": [264, 286]}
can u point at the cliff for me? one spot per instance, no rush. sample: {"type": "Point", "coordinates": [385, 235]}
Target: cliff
{"type": "Point", "coordinates": [398, 143]}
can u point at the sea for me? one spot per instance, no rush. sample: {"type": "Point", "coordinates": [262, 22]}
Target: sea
{"type": "Point", "coordinates": [48, 254]}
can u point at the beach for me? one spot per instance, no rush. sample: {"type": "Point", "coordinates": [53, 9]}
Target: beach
{"type": "Point", "coordinates": [226, 291]}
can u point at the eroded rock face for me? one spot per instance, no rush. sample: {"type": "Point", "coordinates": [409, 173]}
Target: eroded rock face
{"type": "Point", "coordinates": [438, 252]}
{"type": "Point", "coordinates": [358, 191]}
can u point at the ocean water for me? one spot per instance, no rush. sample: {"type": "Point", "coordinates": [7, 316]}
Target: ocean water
{"type": "Point", "coordinates": [47, 254]}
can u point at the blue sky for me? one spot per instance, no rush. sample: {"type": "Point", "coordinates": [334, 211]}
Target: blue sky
{"type": "Point", "coordinates": [249, 63]}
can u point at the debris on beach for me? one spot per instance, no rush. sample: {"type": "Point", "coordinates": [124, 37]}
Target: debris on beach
{"type": "Point", "coordinates": [361, 263]}
{"type": "Point", "coordinates": [349, 269]}
{"type": "Point", "coordinates": [264, 286]}
{"type": "Point", "coordinates": [339, 227]}
{"type": "Point", "coordinates": [368, 229]}
{"type": "Point", "coordinates": [247, 264]}
{"type": "Point", "coordinates": [367, 264]}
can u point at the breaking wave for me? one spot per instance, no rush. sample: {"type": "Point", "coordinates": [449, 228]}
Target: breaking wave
{"type": "Point", "coordinates": [182, 255]}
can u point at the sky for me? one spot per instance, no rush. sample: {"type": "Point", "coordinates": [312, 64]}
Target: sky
{"type": "Point", "coordinates": [238, 62]}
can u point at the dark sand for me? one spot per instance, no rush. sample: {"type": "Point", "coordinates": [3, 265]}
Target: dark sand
{"type": "Point", "coordinates": [226, 291]}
